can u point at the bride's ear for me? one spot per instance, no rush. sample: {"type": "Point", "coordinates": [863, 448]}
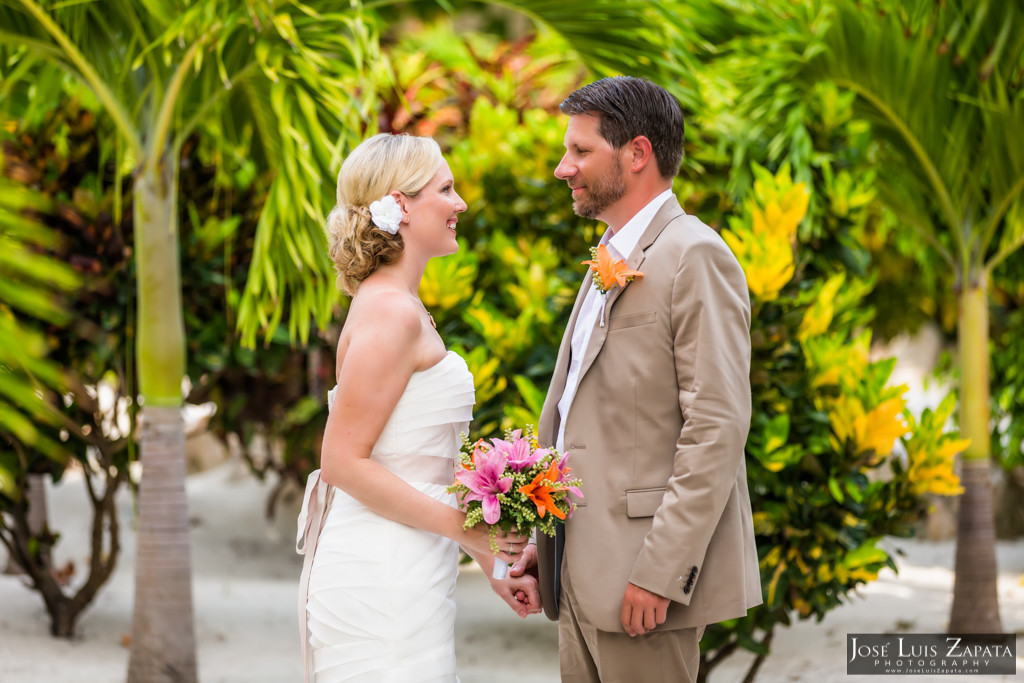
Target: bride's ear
{"type": "Point", "coordinates": [402, 201]}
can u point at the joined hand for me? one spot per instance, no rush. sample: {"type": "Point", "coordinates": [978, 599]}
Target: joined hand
{"type": "Point", "coordinates": [520, 590]}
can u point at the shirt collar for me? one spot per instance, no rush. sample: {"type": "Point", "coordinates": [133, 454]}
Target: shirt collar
{"type": "Point", "coordinates": [624, 241]}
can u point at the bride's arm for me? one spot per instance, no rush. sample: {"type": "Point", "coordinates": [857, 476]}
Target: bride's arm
{"type": "Point", "coordinates": [382, 355]}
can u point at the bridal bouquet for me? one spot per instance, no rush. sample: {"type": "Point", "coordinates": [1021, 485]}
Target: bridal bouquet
{"type": "Point", "coordinates": [512, 483]}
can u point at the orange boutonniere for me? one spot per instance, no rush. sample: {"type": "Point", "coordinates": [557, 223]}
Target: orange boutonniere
{"type": "Point", "coordinates": [609, 273]}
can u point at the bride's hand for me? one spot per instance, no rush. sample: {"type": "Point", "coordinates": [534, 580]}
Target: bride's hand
{"type": "Point", "coordinates": [477, 540]}
{"type": "Point", "coordinates": [520, 593]}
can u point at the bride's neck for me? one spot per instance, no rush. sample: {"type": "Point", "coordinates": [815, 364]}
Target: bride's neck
{"type": "Point", "coordinates": [405, 272]}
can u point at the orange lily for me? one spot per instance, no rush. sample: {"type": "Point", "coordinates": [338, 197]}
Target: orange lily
{"type": "Point", "coordinates": [540, 493]}
{"type": "Point", "coordinates": [608, 272]}
{"type": "Point", "coordinates": [476, 447]}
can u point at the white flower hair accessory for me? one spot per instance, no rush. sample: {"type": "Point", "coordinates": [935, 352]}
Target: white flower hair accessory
{"type": "Point", "coordinates": [386, 214]}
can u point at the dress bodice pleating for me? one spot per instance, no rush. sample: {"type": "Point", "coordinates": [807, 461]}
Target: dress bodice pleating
{"type": "Point", "coordinates": [436, 406]}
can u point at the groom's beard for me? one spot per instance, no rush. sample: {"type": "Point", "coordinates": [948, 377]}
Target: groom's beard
{"type": "Point", "coordinates": [601, 193]}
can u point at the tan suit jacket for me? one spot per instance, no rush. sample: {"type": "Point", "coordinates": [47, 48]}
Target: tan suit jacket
{"type": "Point", "coordinates": [657, 430]}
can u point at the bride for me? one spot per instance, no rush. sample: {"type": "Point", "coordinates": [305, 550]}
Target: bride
{"type": "Point", "coordinates": [378, 529]}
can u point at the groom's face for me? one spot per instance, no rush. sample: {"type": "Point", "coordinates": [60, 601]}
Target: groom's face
{"type": "Point", "coordinates": [591, 167]}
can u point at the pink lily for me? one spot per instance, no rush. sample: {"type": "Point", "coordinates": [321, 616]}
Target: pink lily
{"type": "Point", "coordinates": [485, 481]}
{"type": "Point", "coordinates": [563, 476]}
{"type": "Point", "coordinates": [517, 450]}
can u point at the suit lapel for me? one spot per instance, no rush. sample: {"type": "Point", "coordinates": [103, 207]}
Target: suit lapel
{"type": "Point", "coordinates": [549, 413]}
{"type": "Point", "coordinates": [668, 211]}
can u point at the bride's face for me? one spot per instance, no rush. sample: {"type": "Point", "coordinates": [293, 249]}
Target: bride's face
{"type": "Point", "coordinates": [433, 215]}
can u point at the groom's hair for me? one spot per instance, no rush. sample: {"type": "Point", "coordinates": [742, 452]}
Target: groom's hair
{"type": "Point", "coordinates": [627, 107]}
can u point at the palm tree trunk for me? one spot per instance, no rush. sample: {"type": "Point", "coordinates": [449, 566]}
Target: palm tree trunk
{"type": "Point", "coordinates": [975, 600]}
{"type": "Point", "coordinates": [163, 635]}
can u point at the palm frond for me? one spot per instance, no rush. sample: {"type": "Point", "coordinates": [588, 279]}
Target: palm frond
{"type": "Point", "coordinates": [1005, 155]}
{"type": "Point", "coordinates": [310, 98]}
{"type": "Point", "coordinates": [630, 37]}
{"type": "Point", "coordinates": [30, 288]}
{"type": "Point", "coordinates": [925, 75]}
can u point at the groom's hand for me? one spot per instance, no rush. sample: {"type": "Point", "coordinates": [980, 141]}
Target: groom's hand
{"type": "Point", "coordinates": [520, 593]}
{"type": "Point", "coordinates": [523, 578]}
{"type": "Point", "coordinates": [642, 610]}
{"type": "Point", "coordinates": [526, 563]}
{"type": "Point", "coordinates": [519, 590]}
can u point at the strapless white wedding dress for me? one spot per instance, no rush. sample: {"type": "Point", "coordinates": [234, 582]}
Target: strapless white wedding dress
{"type": "Point", "coordinates": [380, 605]}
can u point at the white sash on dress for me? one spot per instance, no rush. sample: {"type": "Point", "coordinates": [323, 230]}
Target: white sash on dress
{"type": "Point", "coordinates": [315, 502]}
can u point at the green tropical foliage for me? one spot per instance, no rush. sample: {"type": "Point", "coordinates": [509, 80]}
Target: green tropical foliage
{"type": "Point", "coordinates": [284, 84]}
{"type": "Point", "coordinates": [835, 460]}
{"type": "Point", "coordinates": [236, 115]}
{"type": "Point", "coordinates": [241, 72]}
{"type": "Point", "coordinates": [1008, 363]}
{"type": "Point", "coordinates": [1007, 386]}
{"type": "Point", "coordinates": [59, 157]}
{"type": "Point", "coordinates": [936, 95]}
{"type": "Point", "coordinates": [940, 85]}
{"type": "Point", "coordinates": [820, 447]}
{"type": "Point", "coordinates": [66, 157]}
{"type": "Point", "coordinates": [30, 287]}
{"type": "Point", "coordinates": [33, 297]}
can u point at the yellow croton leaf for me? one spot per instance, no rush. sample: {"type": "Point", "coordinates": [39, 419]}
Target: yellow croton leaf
{"type": "Point", "coordinates": [930, 467]}
{"type": "Point", "coordinates": [763, 241]}
{"type": "Point", "coordinates": [836, 362]}
{"type": "Point", "coordinates": [874, 430]}
{"type": "Point", "coordinates": [785, 203]}
{"type": "Point", "coordinates": [881, 426]}
{"type": "Point", "coordinates": [779, 219]}
{"type": "Point", "coordinates": [766, 262]}
{"type": "Point", "coordinates": [818, 315]}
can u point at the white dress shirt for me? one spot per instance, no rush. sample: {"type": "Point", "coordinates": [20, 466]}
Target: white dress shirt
{"type": "Point", "coordinates": [620, 245]}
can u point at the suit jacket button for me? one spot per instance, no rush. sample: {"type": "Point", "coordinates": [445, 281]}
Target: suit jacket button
{"type": "Point", "coordinates": [686, 589]}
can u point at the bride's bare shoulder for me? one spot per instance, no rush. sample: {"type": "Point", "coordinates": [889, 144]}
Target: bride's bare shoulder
{"type": "Point", "coordinates": [381, 320]}
{"type": "Point", "coordinates": [382, 307]}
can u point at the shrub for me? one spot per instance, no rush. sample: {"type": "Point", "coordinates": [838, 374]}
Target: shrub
{"type": "Point", "coordinates": [835, 461]}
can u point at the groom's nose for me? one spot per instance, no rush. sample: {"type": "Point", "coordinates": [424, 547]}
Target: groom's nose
{"type": "Point", "coordinates": [564, 170]}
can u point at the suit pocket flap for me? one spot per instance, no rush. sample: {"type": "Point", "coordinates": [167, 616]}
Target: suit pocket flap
{"type": "Point", "coordinates": [631, 320]}
{"type": "Point", "coordinates": [643, 502]}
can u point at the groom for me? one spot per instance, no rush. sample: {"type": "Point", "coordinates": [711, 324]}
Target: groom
{"type": "Point", "coordinates": [651, 395]}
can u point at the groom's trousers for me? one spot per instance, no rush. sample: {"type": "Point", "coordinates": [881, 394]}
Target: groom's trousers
{"type": "Point", "coordinates": [589, 655]}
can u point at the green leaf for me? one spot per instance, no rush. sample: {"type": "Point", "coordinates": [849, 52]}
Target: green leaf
{"type": "Point", "coordinates": [835, 490]}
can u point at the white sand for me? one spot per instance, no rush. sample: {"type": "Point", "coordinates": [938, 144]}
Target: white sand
{"type": "Point", "coordinates": [245, 581]}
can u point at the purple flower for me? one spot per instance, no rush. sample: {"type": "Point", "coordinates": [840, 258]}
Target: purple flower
{"type": "Point", "coordinates": [517, 451]}
{"type": "Point", "coordinates": [485, 481]}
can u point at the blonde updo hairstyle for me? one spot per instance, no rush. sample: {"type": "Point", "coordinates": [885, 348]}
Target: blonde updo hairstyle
{"type": "Point", "coordinates": [378, 166]}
